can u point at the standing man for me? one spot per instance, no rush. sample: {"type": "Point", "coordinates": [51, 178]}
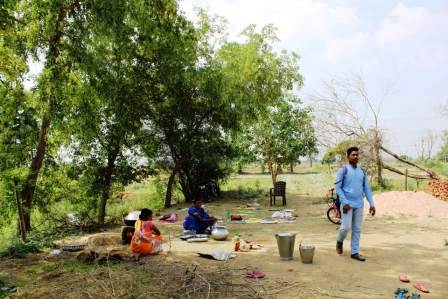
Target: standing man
{"type": "Point", "coordinates": [351, 186]}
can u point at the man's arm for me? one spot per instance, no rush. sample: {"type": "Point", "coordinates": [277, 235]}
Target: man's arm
{"type": "Point", "coordinates": [368, 191]}
{"type": "Point", "coordinates": [338, 187]}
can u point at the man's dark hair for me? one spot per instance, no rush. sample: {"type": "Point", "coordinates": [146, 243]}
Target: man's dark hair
{"type": "Point", "coordinates": [352, 149]}
{"type": "Point", "coordinates": [145, 214]}
{"type": "Point", "coordinates": [197, 199]}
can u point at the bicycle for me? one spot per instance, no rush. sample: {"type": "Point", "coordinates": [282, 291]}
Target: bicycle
{"type": "Point", "coordinates": [333, 212]}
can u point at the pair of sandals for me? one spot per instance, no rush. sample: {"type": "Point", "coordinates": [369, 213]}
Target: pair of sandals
{"type": "Point", "coordinates": [403, 294]}
{"type": "Point", "coordinates": [418, 285]}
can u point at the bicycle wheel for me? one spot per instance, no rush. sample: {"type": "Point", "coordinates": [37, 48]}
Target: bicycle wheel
{"type": "Point", "coordinates": [332, 216]}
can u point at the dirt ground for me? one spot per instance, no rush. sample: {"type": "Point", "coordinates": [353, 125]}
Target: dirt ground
{"type": "Point", "coordinates": [392, 245]}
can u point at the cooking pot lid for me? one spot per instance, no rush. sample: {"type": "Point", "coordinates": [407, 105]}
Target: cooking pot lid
{"type": "Point", "coordinates": [132, 215]}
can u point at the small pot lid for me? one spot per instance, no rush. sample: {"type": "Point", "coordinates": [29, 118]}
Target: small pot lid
{"type": "Point", "coordinates": [132, 215]}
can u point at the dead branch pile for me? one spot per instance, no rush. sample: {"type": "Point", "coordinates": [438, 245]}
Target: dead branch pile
{"type": "Point", "coordinates": [439, 189]}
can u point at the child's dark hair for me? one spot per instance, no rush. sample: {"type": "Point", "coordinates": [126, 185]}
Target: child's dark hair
{"type": "Point", "coordinates": [352, 149]}
{"type": "Point", "coordinates": [145, 214]}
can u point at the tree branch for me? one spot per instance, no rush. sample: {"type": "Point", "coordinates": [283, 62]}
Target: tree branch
{"type": "Point", "coordinates": [431, 173]}
{"type": "Point", "coordinates": [414, 176]}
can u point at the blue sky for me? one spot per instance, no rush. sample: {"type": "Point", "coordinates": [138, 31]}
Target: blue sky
{"type": "Point", "coordinates": [401, 48]}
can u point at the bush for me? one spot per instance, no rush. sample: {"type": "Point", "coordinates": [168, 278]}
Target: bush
{"type": "Point", "coordinates": [34, 244]}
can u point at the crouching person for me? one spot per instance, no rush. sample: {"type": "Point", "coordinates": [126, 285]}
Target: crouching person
{"type": "Point", "coordinates": [147, 238]}
{"type": "Point", "coordinates": [198, 219]}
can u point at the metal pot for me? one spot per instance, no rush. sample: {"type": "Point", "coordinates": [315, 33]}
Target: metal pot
{"type": "Point", "coordinates": [131, 218]}
{"type": "Point", "coordinates": [306, 253]}
{"type": "Point", "coordinates": [220, 233]}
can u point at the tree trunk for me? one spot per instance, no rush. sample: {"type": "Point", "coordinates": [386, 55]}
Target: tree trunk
{"type": "Point", "coordinates": [36, 164]}
{"type": "Point", "coordinates": [21, 220]}
{"type": "Point", "coordinates": [273, 169]}
{"type": "Point", "coordinates": [186, 188]}
{"type": "Point", "coordinates": [291, 167]}
{"type": "Point", "coordinates": [106, 186]}
{"type": "Point", "coordinates": [379, 163]}
{"type": "Point", "coordinates": [169, 188]}
{"type": "Point", "coordinates": [240, 168]}
{"type": "Point", "coordinates": [311, 160]}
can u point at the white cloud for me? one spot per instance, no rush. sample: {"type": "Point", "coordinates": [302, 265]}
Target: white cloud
{"type": "Point", "coordinates": [404, 24]}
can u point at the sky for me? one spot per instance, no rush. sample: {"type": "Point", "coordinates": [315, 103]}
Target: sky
{"type": "Point", "coordinates": [400, 47]}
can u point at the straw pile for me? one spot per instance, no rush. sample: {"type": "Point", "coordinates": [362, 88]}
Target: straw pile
{"type": "Point", "coordinates": [163, 277]}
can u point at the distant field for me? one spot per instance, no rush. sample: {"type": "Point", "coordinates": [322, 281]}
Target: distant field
{"type": "Point", "coordinates": [305, 181]}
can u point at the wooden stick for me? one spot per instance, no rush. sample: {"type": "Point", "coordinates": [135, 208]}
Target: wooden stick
{"type": "Point", "coordinates": [431, 173]}
{"type": "Point", "coordinates": [414, 176]}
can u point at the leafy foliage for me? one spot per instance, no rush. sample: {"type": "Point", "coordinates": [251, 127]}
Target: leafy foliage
{"type": "Point", "coordinates": [282, 136]}
{"type": "Point", "coordinates": [130, 89]}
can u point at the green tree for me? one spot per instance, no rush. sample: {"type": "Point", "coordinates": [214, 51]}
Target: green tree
{"type": "Point", "coordinates": [17, 128]}
{"type": "Point", "coordinates": [121, 70]}
{"type": "Point", "coordinates": [338, 152]}
{"type": "Point", "coordinates": [255, 75]}
{"type": "Point", "coordinates": [45, 31]}
{"type": "Point", "coordinates": [256, 78]}
{"type": "Point", "coordinates": [282, 136]}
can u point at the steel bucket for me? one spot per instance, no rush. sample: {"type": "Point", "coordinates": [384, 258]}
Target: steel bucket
{"type": "Point", "coordinates": [306, 253]}
{"type": "Point", "coordinates": [285, 243]}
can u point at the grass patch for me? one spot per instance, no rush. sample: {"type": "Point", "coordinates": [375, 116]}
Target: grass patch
{"type": "Point", "coordinates": [75, 266]}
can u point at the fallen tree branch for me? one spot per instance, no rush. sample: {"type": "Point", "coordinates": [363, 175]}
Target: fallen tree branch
{"type": "Point", "coordinates": [414, 176]}
{"type": "Point", "coordinates": [431, 173]}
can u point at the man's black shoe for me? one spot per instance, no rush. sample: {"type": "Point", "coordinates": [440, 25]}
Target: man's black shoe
{"type": "Point", "coordinates": [358, 257]}
{"type": "Point", "coordinates": [339, 247]}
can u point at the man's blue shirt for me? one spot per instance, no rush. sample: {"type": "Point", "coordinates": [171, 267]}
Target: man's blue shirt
{"type": "Point", "coordinates": [352, 185]}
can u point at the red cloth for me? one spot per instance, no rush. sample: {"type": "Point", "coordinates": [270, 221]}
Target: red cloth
{"type": "Point", "coordinates": [147, 226]}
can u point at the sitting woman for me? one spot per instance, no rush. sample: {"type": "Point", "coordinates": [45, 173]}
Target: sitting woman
{"type": "Point", "coordinates": [197, 219]}
{"type": "Point", "coordinates": [147, 238]}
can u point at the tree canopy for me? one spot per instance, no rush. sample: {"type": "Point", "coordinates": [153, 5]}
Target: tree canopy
{"type": "Point", "coordinates": [134, 88]}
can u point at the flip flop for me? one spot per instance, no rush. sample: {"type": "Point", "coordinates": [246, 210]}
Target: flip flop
{"type": "Point", "coordinates": [419, 286]}
{"type": "Point", "coordinates": [404, 278]}
{"type": "Point", "coordinates": [255, 274]}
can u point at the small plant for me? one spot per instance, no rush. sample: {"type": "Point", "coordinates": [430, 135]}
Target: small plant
{"type": "Point", "coordinates": [19, 249]}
